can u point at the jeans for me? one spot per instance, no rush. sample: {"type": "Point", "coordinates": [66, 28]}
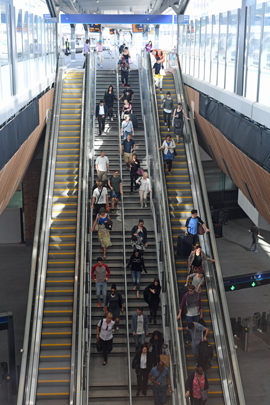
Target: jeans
{"type": "Point", "coordinates": [191, 319]}
{"type": "Point", "coordinates": [101, 124]}
{"type": "Point", "coordinates": [110, 112]}
{"type": "Point", "coordinates": [126, 134]}
{"type": "Point", "coordinates": [159, 394]}
{"type": "Point", "coordinates": [124, 77]}
{"type": "Point", "coordinates": [102, 286]}
{"type": "Point", "coordinates": [142, 379]}
{"type": "Point", "coordinates": [167, 118]}
{"type": "Point", "coordinates": [139, 340]}
{"type": "Point", "coordinates": [136, 278]}
{"type": "Point", "coordinates": [133, 178]}
{"type": "Point", "coordinates": [254, 243]}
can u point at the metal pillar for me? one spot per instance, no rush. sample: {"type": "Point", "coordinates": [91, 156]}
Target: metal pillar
{"type": "Point", "coordinates": [6, 323]}
{"type": "Point", "coordinates": [239, 85]}
{"type": "Point", "coordinates": [156, 44]}
{"type": "Point", "coordinates": [145, 35]}
{"type": "Point", "coordinates": [72, 42]}
{"type": "Point", "coordinates": [13, 53]}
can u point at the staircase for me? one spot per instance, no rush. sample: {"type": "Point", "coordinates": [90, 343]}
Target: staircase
{"type": "Point", "coordinates": [55, 350]}
{"type": "Point", "coordinates": [180, 204]}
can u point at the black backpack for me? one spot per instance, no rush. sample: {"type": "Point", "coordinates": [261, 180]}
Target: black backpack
{"type": "Point", "coordinates": [205, 351]}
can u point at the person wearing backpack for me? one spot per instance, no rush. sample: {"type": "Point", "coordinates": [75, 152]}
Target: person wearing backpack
{"type": "Point", "coordinates": [115, 303]}
{"type": "Point", "coordinates": [178, 115]}
{"type": "Point", "coordinates": [128, 145]}
{"type": "Point", "coordinates": [195, 385]}
{"type": "Point", "coordinates": [104, 335]}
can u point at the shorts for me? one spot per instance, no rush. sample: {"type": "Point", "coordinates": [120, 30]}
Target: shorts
{"type": "Point", "coordinates": [115, 194]}
{"type": "Point", "coordinates": [127, 157]}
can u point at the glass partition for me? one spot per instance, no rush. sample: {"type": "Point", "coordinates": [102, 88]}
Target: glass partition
{"type": "Point", "coordinates": [5, 64]}
{"type": "Point", "coordinates": [208, 46]}
{"type": "Point", "coordinates": [222, 49]}
{"type": "Point", "coordinates": [197, 47]}
{"type": "Point", "coordinates": [184, 47]}
{"type": "Point", "coordinates": [264, 94]}
{"type": "Point", "coordinates": [180, 42]}
{"type": "Point", "coordinates": [231, 49]}
{"type": "Point", "coordinates": [202, 48]}
{"type": "Point", "coordinates": [192, 49]}
{"type": "Point", "coordinates": [188, 49]}
{"type": "Point", "coordinates": [19, 49]}
{"type": "Point", "coordinates": [26, 48]}
{"type": "Point", "coordinates": [214, 50]}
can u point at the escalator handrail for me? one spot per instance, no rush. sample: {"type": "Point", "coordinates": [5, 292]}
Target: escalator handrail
{"type": "Point", "coordinates": [239, 392]}
{"type": "Point", "coordinates": [124, 246]}
{"type": "Point", "coordinates": [168, 239]}
{"type": "Point", "coordinates": [43, 253]}
{"type": "Point", "coordinates": [35, 250]}
{"type": "Point", "coordinates": [76, 346]}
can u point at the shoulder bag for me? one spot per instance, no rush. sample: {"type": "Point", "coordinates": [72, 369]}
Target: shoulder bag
{"type": "Point", "coordinates": [109, 224]}
{"type": "Point", "coordinates": [200, 229]}
{"type": "Point", "coordinates": [162, 105]}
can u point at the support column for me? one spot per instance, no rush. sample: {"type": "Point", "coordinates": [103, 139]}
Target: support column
{"type": "Point", "coordinates": [13, 47]}
{"type": "Point", "coordinates": [86, 33]}
{"type": "Point", "coordinates": [156, 44]}
{"type": "Point", "coordinates": [239, 85]}
{"type": "Point", "coordinates": [145, 35]}
{"type": "Point", "coordinates": [72, 42]}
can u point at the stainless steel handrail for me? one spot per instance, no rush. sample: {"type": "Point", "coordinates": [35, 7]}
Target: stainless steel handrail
{"type": "Point", "coordinates": [220, 291]}
{"type": "Point", "coordinates": [34, 263]}
{"type": "Point", "coordinates": [40, 293]}
{"type": "Point", "coordinates": [167, 239]}
{"type": "Point", "coordinates": [124, 247]}
{"type": "Point", "coordinates": [76, 345]}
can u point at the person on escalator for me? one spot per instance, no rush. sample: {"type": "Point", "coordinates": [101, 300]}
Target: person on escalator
{"type": "Point", "coordinates": [191, 227]}
{"type": "Point", "coordinates": [109, 98]}
{"type": "Point", "coordinates": [156, 69]}
{"type": "Point", "coordinates": [195, 384]}
{"type": "Point", "coordinates": [167, 104]}
{"type": "Point", "coordinates": [115, 303]}
{"type": "Point", "coordinates": [197, 280]}
{"type": "Point", "coordinates": [178, 115]}
{"type": "Point", "coordinates": [196, 260]}
{"type": "Point", "coordinates": [168, 155]}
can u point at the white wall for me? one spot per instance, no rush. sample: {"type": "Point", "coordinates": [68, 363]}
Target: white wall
{"type": "Point", "coordinates": [251, 212]}
{"type": "Point", "coordinates": [10, 226]}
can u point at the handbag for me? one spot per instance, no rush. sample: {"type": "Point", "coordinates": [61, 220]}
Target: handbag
{"type": "Point", "coordinates": [98, 346]}
{"type": "Point", "coordinates": [140, 172]}
{"type": "Point", "coordinates": [162, 72]}
{"type": "Point", "coordinates": [200, 229]}
{"type": "Point", "coordinates": [123, 115]}
{"type": "Point", "coordinates": [203, 392]}
{"type": "Point", "coordinates": [96, 227]}
{"type": "Point", "coordinates": [109, 224]}
{"type": "Point", "coordinates": [107, 208]}
{"type": "Point", "coordinates": [166, 359]}
{"type": "Point", "coordinates": [162, 105]}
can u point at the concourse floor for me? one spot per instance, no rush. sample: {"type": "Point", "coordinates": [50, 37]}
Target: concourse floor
{"type": "Point", "coordinates": [236, 258]}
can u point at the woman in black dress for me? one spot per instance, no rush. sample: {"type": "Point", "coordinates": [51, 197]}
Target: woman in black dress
{"type": "Point", "coordinates": [179, 115]}
{"type": "Point", "coordinates": [134, 167]}
{"type": "Point", "coordinates": [109, 98]}
{"type": "Point", "coordinates": [157, 343]}
{"type": "Point", "coordinates": [154, 291]}
{"type": "Point", "coordinates": [115, 303]}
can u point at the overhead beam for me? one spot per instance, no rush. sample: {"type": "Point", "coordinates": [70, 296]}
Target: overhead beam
{"type": "Point", "coordinates": [53, 7]}
{"type": "Point", "coordinates": [178, 7]}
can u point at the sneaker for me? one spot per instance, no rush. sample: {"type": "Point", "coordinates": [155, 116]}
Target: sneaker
{"type": "Point", "coordinates": [255, 250]}
{"type": "Point", "coordinates": [251, 250]}
{"type": "Point", "coordinates": [187, 342]}
{"type": "Point", "coordinates": [145, 205]}
{"type": "Point", "coordinates": [111, 118]}
{"type": "Point", "coordinates": [117, 207]}
{"type": "Point", "coordinates": [141, 206]}
{"type": "Point", "coordinates": [168, 129]}
{"type": "Point", "coordinates": [131, 193]}
{"type": "Point", "coordinates": [160, 89]}
{"type": "Point", "coordinates": [98, 304]}
{"type": "Point", "coordinates": [117, 329]}
{"type": "Point", "coordinates": [98, 64]}
{"type": "Point", "coordinates": [165, 122]}
{"type": "Point", "coordinates": [123, 84]}
{"type": "Point", "coordinates": [113, 330]}
{"type": "Point", "coordinates": [101, 67]}
{"type": "Point", "coordinates": [196, 365]}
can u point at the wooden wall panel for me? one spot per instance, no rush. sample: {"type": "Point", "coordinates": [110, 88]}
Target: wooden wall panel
{"type": "Point", "coordinates": [242, 168]}
{"type": "Point", "coordinates": [13, 172]}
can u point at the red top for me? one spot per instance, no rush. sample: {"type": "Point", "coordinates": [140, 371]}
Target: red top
{"type": "Point", "coordinates": [196, 389]}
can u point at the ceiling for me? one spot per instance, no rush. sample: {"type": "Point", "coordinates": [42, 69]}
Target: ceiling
{"type": "Point", "coordinates": [97, 6]}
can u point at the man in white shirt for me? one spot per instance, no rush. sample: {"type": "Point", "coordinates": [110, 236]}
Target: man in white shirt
{"type": "Point", "coordinates": [99, 198]}
{"type": "Point", "coordinates": [86, 50]}
{"type": "Point", "coordinates": [100, 53]}
{"type": "Point", "coordinates": [101, 114]}
{"type": "Point", "coordinates": [102, 166]}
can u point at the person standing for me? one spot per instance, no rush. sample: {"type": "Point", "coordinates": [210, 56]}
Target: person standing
{"type": "Point", "coordinates": [124, 67]}
{"type": "Point", "coordinates": [128, 94]}
{"type": "Point", "coordinates": [156, 69]}
{"type": "Point", "coordinates": [197, 280]}
{"type": "Point", "coordinates": [127, 127]}
{"type": "Point", "coordinates": [255, 236]}
{"type": "Point", "coordinates": [191, 227]}
{"type": "Point", "coordinates": [153, 290]}
{"type": "Point", "coordinates": [101, 114]}
{"type": "Point", "coordinates": [86, 50]}
{"type": "Point", "coordinates": [116, 186]}
{"type": "Point", "coordinates": [139, 237]}
{"type": "Point", "coordinates": [196, 260]}
{"type": "Point", "coordinates": [159, 376]}
{"type": "Point", "coordinates": [157, 343]}
{"type": "Point", "coordinates": [99, 198]}
{"type": "Point", "coordinates": [128, 145]}
{"type": "Point", "coordinates": [139, 327]}
{"type": "Point", "coordinates": [67, 47]}
{"type": "Point", "coordinates": [192, 307]}
{"type": "Point", "coordinates": [100, 274]}
{"type": "Point", "coordinates": [109, 98]}
{"type": "Point", "coordinates": [148, 46]}
{"type": "Point", "coordinates": [115, 303]}
{"type": "Point", "coordinates": [100, 53]}
{"type": "Point", "coordinates": [121, 49]}
{"type": "Point", "coordinates": [137, 266]}
{"type": "Point", "coordinates": [134, 167]}
{"type": "Point", "coordinates": [102, 166]}
{"type": "Point", "coordinates": [142, 365]}
{"type": "Point", "coordinates": [168, 155]}
{"type": "Point", "coordinates": [195, 383]}
{"type": "Point", "coordinates": [104, 335]}
{"type": "Point", "coordinates": [178, 115]}
{"type": "Point", "coordinates": [167, 109]}
{"type": "Point", "coordinates": [145, 188]}
{"type": "Point", "coordinates": [127, 109]}
{"type": "Point", "coordinates": [103, 232]}
{"type": "Point", "coordinates": [196, 330]}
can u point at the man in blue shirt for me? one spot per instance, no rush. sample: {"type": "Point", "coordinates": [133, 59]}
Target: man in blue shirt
{"type": "Point", "coordinates": [191, 227]}
{"type": "Point", "coordinates": [128, 145]}
{"type": "Point", "coordinates": [159, 375]}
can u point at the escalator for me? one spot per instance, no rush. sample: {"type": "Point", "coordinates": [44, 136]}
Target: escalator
{"type": "Point", "coordinates": [180, 205]}
{"type": "Point", "coordinates": [55, 347]}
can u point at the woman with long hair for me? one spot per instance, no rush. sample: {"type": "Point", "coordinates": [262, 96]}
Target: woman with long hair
{"type": "Point", "coordinates": [137, 266]}
{"type": "Point", "coordinates": [103, 233]}
{"type": "Point", "coordinates": [109, 98]}
{"type": "Point", "coordinates": [115, 302]}
{"type": "Point", "coordinates": [153, 290]}
{"type": "Point", "coordinates": [142, 365]}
